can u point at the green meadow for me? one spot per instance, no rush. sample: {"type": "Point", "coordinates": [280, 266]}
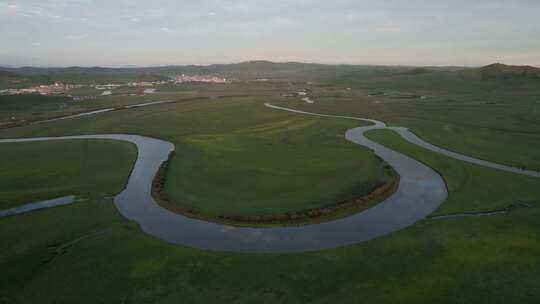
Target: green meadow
{"type": "Point", "coordinates": [234, 155]}
{"type": "Point", "coordinates": [88, 253]}
{"type": "Point", "coordinates": [45, 170]}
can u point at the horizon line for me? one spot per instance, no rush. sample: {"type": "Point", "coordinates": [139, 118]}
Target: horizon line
{"type": "Point", "coordinates": [136, 66]}
{"type": "Point", "coordinates": [142, 66]}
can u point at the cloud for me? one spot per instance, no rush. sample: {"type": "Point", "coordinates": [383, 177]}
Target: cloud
{"type": "Point", "coordinates": [34, 11]}
{"type": "Point", "coordinates": [343, 30]}
{"type": "Point", "coordinates": [76, 36]}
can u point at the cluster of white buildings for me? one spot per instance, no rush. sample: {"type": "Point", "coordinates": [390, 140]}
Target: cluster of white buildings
{"type": "Point", "coordinates": [200, 78]}
{"type": "Point", "coordinates": [57, 88]}
{"type": "Point", "coordinates": [104, 87]}
{"type": "Point", "coordinates": [146, 83]}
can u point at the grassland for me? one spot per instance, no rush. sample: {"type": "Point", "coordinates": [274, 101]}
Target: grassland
{"type": "Point", "coordinates": [18, 108]}
{"type": "Point", "coordinates": [487, 119]}
{"type": "Point", "coordinates": [236, 157]}
{"type": "Point", "coordinates": [283, 166]}
{"type": "Point", "coordinates": [89, 253]}
{"type": "Point", "coordinates": [24, 109]}
{"type": "Point", "coordinates": [468, 184]}
{"type": "Point", "coordinates": [45, 170]}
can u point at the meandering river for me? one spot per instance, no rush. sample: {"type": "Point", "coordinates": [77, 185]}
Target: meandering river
{"type": "Point", "coordinates": [421, 191]}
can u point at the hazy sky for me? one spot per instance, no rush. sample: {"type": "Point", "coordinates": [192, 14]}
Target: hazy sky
{"type": "Point", "coordinates": [137, 32]}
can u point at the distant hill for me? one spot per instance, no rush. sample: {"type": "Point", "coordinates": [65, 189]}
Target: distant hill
{"type": "Point", "coordinates": [502, 72]}
{"type": "Point", "coordinates": [288, 71]}
{"type": "Point", "coordinates": [7, 74]}
{"type": "Point", "coordinates": [255, 67]}
{"type": "Point", "coordinates": [251, 69]}
{"type": "Point", "coordinates": [87, 75]}
{"type": "Point", "coordinates": [10, 79]}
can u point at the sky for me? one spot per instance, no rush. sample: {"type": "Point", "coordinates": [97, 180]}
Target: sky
{"type": "Point", "coordinates": [177, 32]}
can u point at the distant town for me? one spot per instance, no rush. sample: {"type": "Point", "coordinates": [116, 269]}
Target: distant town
{"type": "Point", "coordinates": [59, 88]}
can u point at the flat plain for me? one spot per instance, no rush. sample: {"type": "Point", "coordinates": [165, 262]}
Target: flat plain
{"type": "Point", "coordinates": [234, 155]}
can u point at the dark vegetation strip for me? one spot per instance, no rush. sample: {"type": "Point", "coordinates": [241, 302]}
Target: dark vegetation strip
{"type": "Point", "coordinates": [378, 191]}
{"type": "Point", "coordinates": [57, 249]}
{"type": "Point", "coordinates": [405, 96]}
{"type": "Point", "coordinates": [510, 208]}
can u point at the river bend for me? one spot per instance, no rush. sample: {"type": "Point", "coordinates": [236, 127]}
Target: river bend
{"type": "Point", "coordinates": [421, 191]}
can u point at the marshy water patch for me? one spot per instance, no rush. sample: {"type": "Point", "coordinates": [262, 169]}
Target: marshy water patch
{"type": "Point", "coordinates": [308, 100]}
{"type": "Point", "coordinates": [62, 201]}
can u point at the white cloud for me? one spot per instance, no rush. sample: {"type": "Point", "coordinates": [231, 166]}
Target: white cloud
{"type": "Point", "coordinates": [165, 29]}
{"type": "Point", "coordinates": [34, 12]}
{"type": "Point", "coordinates": [212, 13]}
